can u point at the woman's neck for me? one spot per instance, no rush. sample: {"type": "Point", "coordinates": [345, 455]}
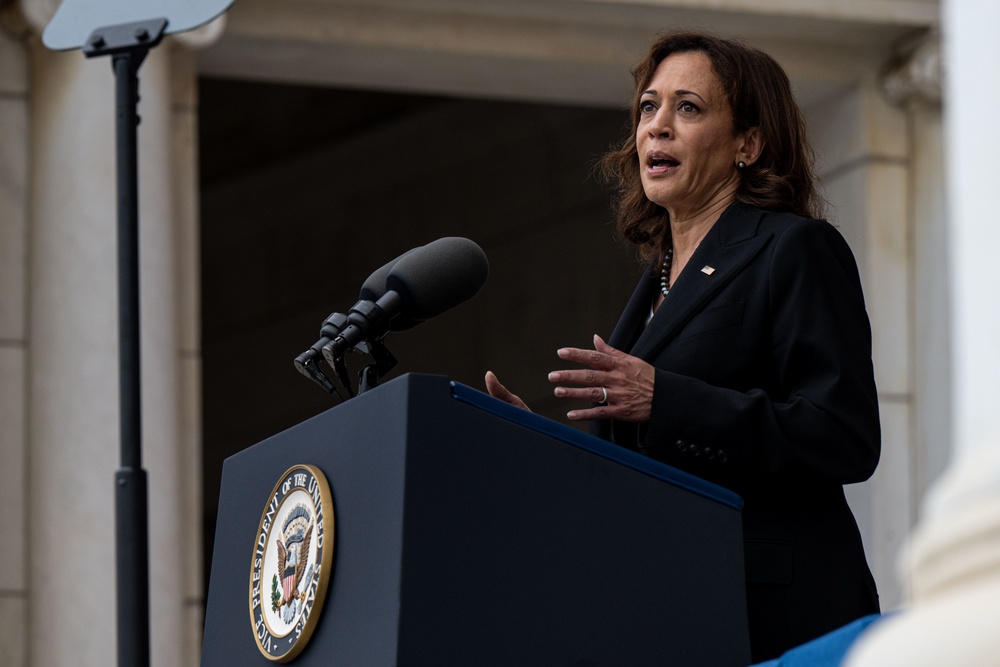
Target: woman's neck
{"type": "Point", "coordinates": [687, 232]}
{"type": "Point", "coordinates": [688, 228]}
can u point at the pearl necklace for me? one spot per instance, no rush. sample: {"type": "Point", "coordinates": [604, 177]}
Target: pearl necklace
{"type": "Point", "coordinates": [668, 262]}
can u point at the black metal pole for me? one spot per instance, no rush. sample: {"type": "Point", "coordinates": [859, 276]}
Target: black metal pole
{"type": "Point", "coordinates": [131, 495]}
{"type": "Point", "coordinates": [128, 44]}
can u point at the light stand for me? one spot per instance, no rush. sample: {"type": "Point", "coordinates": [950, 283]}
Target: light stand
{"type": "Point", "coordinates": [128, 45]}
{"type": "Point", "coordinates": [128, 42]}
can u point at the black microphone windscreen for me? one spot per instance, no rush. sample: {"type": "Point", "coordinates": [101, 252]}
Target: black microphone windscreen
{"type": "Point", "coordinates": [437, 277]}
{"type": "Point", "coordinates": [374, 287]}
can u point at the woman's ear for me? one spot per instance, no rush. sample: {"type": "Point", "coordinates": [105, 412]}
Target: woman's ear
{"type": "Point", "coordinates": [751, 146]}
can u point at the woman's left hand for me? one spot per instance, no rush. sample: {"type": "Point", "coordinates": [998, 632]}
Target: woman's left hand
{"type": "Point", "coordinates": [627, 380]}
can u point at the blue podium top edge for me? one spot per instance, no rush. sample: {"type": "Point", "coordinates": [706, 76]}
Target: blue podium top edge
{"type": "Point", "coordinates": [594, 445]}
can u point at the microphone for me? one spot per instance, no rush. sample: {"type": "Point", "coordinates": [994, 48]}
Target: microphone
{"type": "Point", "coordinates": [373, 288]}
{"type": "Point", "coordinates": [305, 363]}
{"type": "Point", "coordinates": [442, 275]}
{"type": "Point", "coordinates": [421, 284]}
{"type": "Point", "coordinates": [428, 281]}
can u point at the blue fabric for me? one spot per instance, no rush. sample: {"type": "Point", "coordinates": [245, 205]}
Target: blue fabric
{"type": "Point", "coordinates": [826, 651]}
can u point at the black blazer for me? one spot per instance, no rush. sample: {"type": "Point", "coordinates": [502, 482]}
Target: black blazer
{"type": "Point", "coordinates": [764, 384]}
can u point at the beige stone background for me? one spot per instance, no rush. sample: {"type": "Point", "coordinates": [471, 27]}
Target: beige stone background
{"type": "Point", "coordinates": [290, 148]}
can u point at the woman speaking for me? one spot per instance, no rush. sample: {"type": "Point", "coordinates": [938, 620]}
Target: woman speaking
{"type": "Point", "coordinates": [744, 354]}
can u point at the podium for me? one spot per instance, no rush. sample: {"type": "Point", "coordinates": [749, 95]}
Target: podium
{"type": "Point", "coordinates": [471, 533]}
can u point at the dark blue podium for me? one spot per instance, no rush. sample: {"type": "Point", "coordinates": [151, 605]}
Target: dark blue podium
{"type": "Point", "coordinates": [472, 533]}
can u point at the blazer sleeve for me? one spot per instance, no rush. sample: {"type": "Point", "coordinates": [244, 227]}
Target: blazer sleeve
{"type": "Point", "coordinates": [819, 412]}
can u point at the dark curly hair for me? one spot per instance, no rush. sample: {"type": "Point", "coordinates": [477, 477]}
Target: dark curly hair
{"type": "Point", "coordinates": [759, 96]}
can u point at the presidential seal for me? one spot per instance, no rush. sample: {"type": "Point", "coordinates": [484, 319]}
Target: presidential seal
{"type": "Point", "coordinates": [292, 563]}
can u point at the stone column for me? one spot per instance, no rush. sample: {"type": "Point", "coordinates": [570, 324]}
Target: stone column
{"type": "Point", "coordinates": [912, 81]}
{"type": "Point", "coordinates": [72, 391]}
{"type": "Point", "coordinates": [865, 165]}
{"type": "Point", "coordinates": [184, 124]}
{"type": "Point", "coordinates": [954, 554]}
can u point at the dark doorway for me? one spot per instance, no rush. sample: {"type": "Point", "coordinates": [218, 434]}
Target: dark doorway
{"type": "Point", "coordinates": [304, 191]}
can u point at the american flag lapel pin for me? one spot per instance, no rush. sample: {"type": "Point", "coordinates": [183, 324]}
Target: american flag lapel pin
{"type": "Point", "coordinates": [708, 270]}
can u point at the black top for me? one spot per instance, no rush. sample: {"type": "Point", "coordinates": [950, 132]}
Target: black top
{"type": "Point", "coordinates": [764, 385]}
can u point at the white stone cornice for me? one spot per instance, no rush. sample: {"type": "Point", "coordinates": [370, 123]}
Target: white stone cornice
{"type": "Point", "coordinates": [913, 13]}
{"type": "Point", "coordinates": [916, 72]}
{"type": "Point", "coordinates": [563, 51]}
{"type": "Point", "coordinates": [900, 12]}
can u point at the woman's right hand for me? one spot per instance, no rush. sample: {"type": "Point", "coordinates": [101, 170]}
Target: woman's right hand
{"type": "Point", "coordinates": [497, 390]}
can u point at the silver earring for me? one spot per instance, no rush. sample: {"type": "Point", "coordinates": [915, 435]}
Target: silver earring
{"type": "Point", "coordinates": [741, 165]}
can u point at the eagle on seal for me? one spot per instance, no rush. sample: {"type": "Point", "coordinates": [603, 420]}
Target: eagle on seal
{"type": "Point", "coordinates": [293, 559]}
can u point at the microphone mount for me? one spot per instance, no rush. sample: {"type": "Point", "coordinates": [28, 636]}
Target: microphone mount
{"type": "Point", "coordinates": [419, 284]}
{"type": "Point", "coordinates": [307, 363]}
{"type": "Point", "coordinates": [367, 323]}
{"type": "Point", "coordinates": [361, 330]}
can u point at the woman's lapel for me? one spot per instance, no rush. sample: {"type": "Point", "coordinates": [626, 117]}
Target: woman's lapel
{"type": "Point", "coordinates": [723, 254]}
